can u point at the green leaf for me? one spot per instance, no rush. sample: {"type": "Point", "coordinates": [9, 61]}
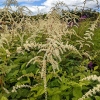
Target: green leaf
{"type": "Point", "coordinates": [15, 72]}
{"type": "Point", "coordinates": [77, 92]}
{"type": "Point", "coordinates": [32, 68]}
{"type": "Point", "coordinates": [23, 71]}
{"type": "Point", "coordinates": [35, 88]}
{"type": "Point", "coordinates": [31, 99]}
{"type": "Point", "coordinates": [49, 77]}
{"type": "Point", "coordinates": [3, 98]}
{"type": "Point", "coordinates": [88, 99]}
{"type": "Point", "coordinates": [67, 97]}
{"type": "Point", "coordinates": [64, 87]}
{"type": "Point", "coordinates": [54, 91]}
{"type": "Point", "coordinates": [55, 97]}
{"type": "Point", "coordinates": [23, 65]}
{"type": "Point", "coordinates": [97, 97]}
{"type": "Point", "coordinates": [40, 92]}
{"type": "Point", "coordinates": [26, 81]}
{"type": "Point", "coordinates": [74, 98]}
{"type": "Point", "coordinates": [96, 67]}
{"type": "Point", "coordinates": [85, 82]}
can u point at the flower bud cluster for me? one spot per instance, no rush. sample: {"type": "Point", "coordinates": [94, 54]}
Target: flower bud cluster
{"type": "Point", "coordinates": [93, 91]}
{"type": "Point", "coordinates": [20, 86]}
{"type": "Point", "coordinates": [92, 77]}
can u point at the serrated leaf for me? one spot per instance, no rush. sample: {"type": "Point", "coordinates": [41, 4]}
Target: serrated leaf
{"type": "Point", "coordinates": [64, 87]}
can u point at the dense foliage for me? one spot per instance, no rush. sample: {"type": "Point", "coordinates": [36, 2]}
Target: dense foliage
{"type": "Point", "coordinates": [42, 58]}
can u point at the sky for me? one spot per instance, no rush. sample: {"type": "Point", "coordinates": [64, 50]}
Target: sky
{"type": "Point", "coordinates": [44, 6]}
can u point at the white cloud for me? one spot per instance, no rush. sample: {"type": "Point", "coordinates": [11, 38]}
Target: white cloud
{"type": "Point", "coordinates": [89, 3]}
{"type": "Point", "coordinates": [46, 6]}
{"type": "Point", "coordinates": [38, 9]}
{"type": "Point", "coordinates": [25, 0]}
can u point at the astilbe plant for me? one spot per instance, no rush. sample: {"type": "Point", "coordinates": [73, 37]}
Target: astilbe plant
{"type": "Point", "coordinates": [14, 25]}
{"type": "Point", "coordinates": [49, 48]}
{"type": "Point", "coordinates": [53, 46]}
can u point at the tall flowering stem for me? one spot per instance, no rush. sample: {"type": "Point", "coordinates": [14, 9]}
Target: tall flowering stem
{"type": "Point", "coordinates": [93, 91]}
